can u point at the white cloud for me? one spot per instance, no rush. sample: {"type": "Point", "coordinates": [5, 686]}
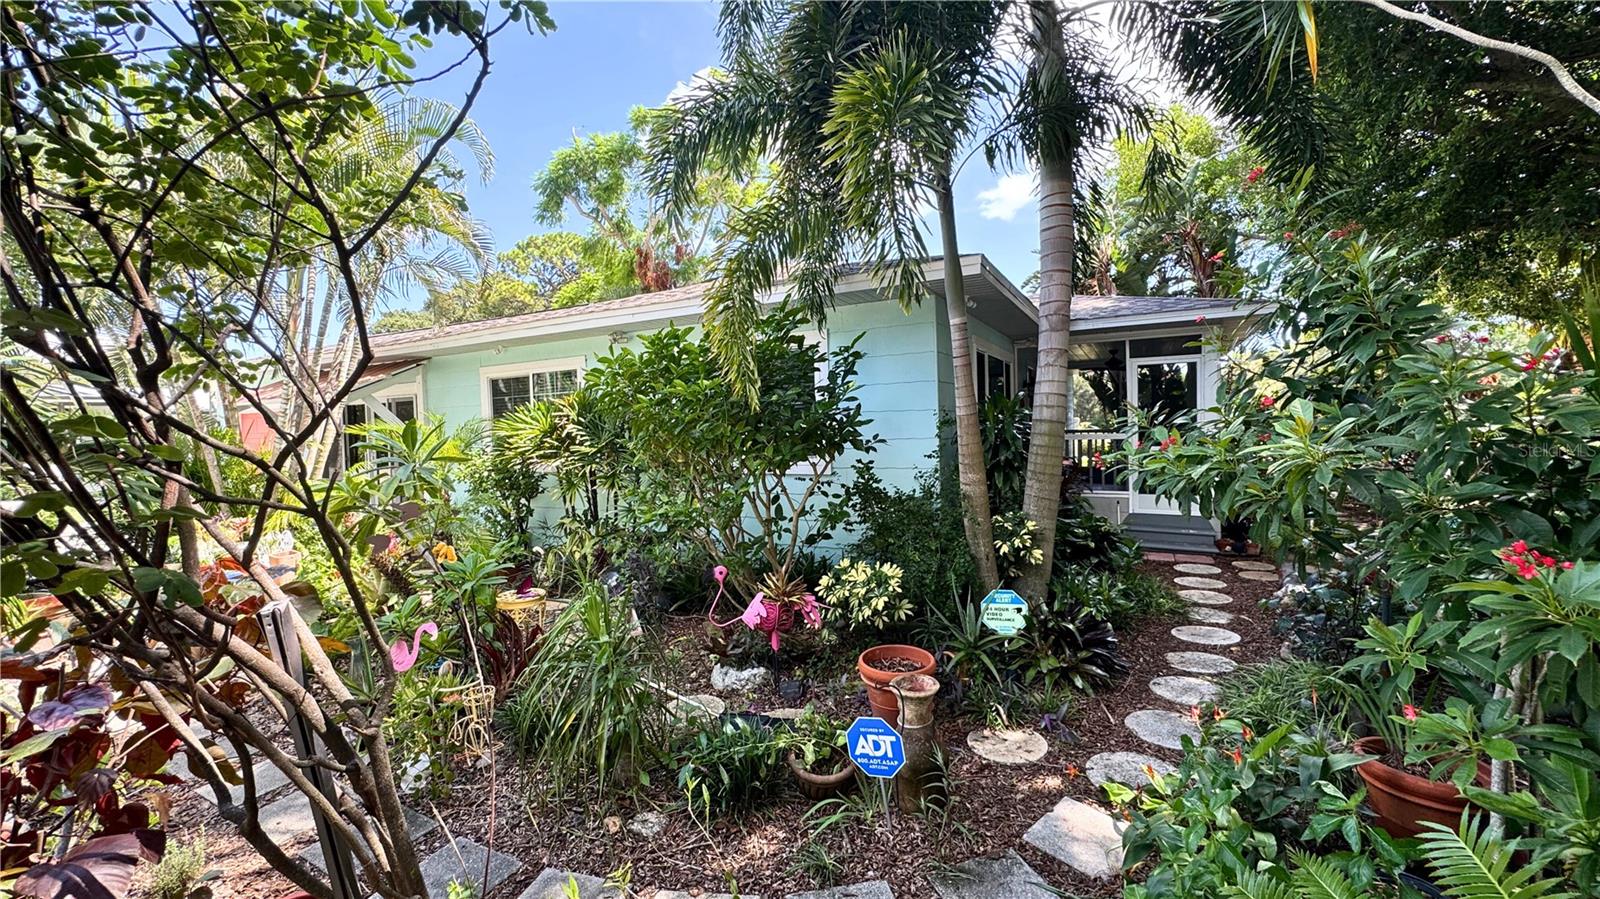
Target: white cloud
{"type": "Point", "coordinates": [1008, 196]}
{"type": "Point", "coordinates": [697, 83]}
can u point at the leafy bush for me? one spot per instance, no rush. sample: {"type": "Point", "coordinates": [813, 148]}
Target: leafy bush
{"type": "Point", "coordinates": [865, 594]}
{"type": "Point", "coordinates": [1302, 695]}
{"type": "Point", "coordinates": [1118, 598]}
{"type": "Point", "coordinates": [1321, 618]}
{"type": "Point", "coordinates": [418, 727]}
{"type": "Point", "coordinates": [731, 764]}
{"type": "Point", "coordinates": [1004, 424]}
{"type": "Point", "coordinates": [1066, 646]}
{"type": "Point", "coordinates": [918, 529]}
{"type": "Point", "coordinates": [180, 869]}
{"type": "Point", "coordinates": [585, 708]}
{"type": "Point", "coordinates": [503, 490]}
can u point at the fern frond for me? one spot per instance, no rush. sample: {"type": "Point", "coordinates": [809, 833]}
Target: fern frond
{"type": "Point", "coordinates": [1259, 885]}
{"type": "Point", "coordinates": [1470, 863]}
{"type": "Point", "coordinates": [1317, 878]}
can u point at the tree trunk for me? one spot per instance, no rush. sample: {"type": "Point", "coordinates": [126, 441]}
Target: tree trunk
{"type": "Point", "coordinates": [1041, 497]}
{"type": "Point", "coordinates": [976, 516]}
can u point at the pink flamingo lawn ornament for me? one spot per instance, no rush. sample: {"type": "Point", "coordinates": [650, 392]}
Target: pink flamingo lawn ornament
{"type": "Point", "coordinates": [769, 616]}
{"type": "Point", "coordinates": [404, 657]}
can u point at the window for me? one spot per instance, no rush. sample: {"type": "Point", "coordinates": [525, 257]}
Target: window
{"type": "Point", "coordinates": [355, 415]}
{"type": "Point", "coordinates": [403, 408]}
{"type": "Point", "coordinates": [994, 375]}
{"type": "Point", "coordinates": [507, 389]}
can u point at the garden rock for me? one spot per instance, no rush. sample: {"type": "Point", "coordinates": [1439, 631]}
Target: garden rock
{"type": "Point", "coordinates": [648, 824]}
{"type": "Point", "coordinates": [445, 864]}
{"type": "Point", "coordinates": [1194, 568]}
{"type": "Point", "coordinates": [739, 680]}
{"type": "Point", "coordinates": [1184, 690]}
{"type": "Point", "coordinates": [872, 889]}
{"type": "Point", "coordinates": [1006, 877]}
{"type": "Point", "coordinates": [1082, 836]}
{"type": "Point", "coordinates": [1124, 768]}
{"type": "Point", "coordinates": [1008, 747]}
{"type": "Point", "coordinates": [1162, 728]}
{"type": "Point", "coordinates": [1201, 583]}
{"type": "Point", "coordinates": [1205, 597]}
{"type": "Point", "coordinates": [701, 706]}
{"type": "Point", "coordinates": [552, 884]}
{"type": "Point", "coordinates": [788, 714]}
{"type": "Point", "coordinates": [1209, 616]}
{"type": "Point", "coordinates": [1206, 636]}
{"type": "Point", "coordinates": [1266, 577]}
{"type": "Point", "coordinates": [1201, 662]}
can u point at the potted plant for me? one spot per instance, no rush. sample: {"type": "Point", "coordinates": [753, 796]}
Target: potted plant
{"type": "Point", "coordinates": [818, 757]}
{"type": "Point", "coordinates": [281, 551]}
{"type": "Point", "coordinates": [867, 596]}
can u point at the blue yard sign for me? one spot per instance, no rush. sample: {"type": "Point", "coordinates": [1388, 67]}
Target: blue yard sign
{"type": "Point", "coordinates": [875, 747]}
{"type": "Point", "coordinates": [1005, 612]}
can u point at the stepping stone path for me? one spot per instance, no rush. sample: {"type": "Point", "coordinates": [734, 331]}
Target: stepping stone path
{"type": "Point", "coordinates": [1008, 747]}
{"type": "Point", "coordinates": [1209, 616]}
{"type": "Point", "coordinates": [1206, 636]}
{"type": "Point", "coordinates": [1195, 568]}
{"type": "Point", "coordinates": [445, 864]}
{"type": "Point", "coordinates": [1162, 728]}
{"type": "Point", "coordinates": [1200, 583]}
{"type": "Point", "coordinates": [704, 706]}
{"type": "Point", "coordinates": [1205, 597]}
{"type": "Point", "coordinates": [1006, 877]}
{"type": "Point", "coordinates": [268, 776]}
{"type": "Point", "coordinates": [872, 889]}
{"type": "Point", "coordinates": [417, 823]}
{"type": "Point", "coordinates": [1080, 835]}
{"type": "Point", "coordinates": [1244, 565]}
{"type": "Point", "coordinates": [1124, 768]}
{"type": "Point", "coordinates": [552, 884]}
{"type": "Point", "coordinates": [1267, 577]}
{"type": "Point", "coordinates": [1201, 662]}
{"type": "Point", "coordinates": [1184, 690]}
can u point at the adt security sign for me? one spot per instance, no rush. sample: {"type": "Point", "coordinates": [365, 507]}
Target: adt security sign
{"type": "Point", "coordinates": [875, 747]}
{"type": "Point", "coordinates": [1005, 612]}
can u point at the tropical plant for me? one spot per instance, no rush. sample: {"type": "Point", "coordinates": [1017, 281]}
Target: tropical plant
{"type": "Point", "coordinates": [866, 594]}
{"type": "Point", "coordinates": [1302, 695]}
{"type": "Point", "coordinates": [729, 765]}
{"type": "Point", "coordinates": [585, 709]}
{"type": "Point", "coordinates": [1119, 598]}
{"type": "Point", "coordinates": [1065, 645]}
{"type": "Point", "coordinates": [964, 645]}
{"type": "Point", "coordinates": [917, 528]}
{"type": "Point", "coordinates": [180, 869]}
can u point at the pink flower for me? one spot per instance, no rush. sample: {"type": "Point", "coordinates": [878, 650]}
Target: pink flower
{"type": "Point", "coordinates": [1566, 566]}
{"type": "Point", "coordinates": [1520, 547]}
{"type": "Point", "coordinates": [1255, 174]}
{"type": "Point", "coordinates": [1238, 757]}
{"type": "Point", "coordinates": [1194, 714]}
{"type": "Point", "coordinates": [1482, 339]}
{"type": "Point", "coordinates": [1409, 711]}
{"type": "Point", "coordinates": [1442, 338]}
{"type": "Point", "coordinates": [1288, 235]}
{"type": "Point", "coordinates": [1267, 401]}
{"type": "Point", "coordinates": [1199, 319]}
{"type": "Point", "coordinates": [1217, 256]}
{"type": "Point", "coordinates": [810, 612]}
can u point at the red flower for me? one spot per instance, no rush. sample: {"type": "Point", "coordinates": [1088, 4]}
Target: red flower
{"type": "Point", "coordinates": [1519, 547]}
{"type": "Point", "coordinates": [1527, 571]}
{"type": "Point", "coordinates": [1288, 235]}
{"type": "Point", "coordinates": [1238, 757]}
{"type": "Point", "coordinates": [1217, 256]}
{"type": "Point", "coordinates": [1262, 438]}
{"type": "Point", "coordinates": [1072, 772]}
{"type": "Point", "coordinates": [1255, 174]}
{"type": "Point", "coordinates": [1199, 319]}
{"type": "Point", "coordinates": [1409, 711]}
{"type": "Point", "coordinates": [1247, 733]}
{"type": "Point", "coordinates": [1150, 772]}
{"type": "Point", "coordinates": [1442, 338]}
{"type": "Point", "coordinates": [1483, 340]}
{"type": "Point", "coordinates": [1566, 565]}
{"type": "Point", "coordinates": [1267, 401]}
{"type": "Point", "coordinates": [1216, 713]}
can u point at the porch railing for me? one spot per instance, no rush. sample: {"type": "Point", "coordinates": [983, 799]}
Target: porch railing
{"type": "Point", "coordinates": [1081, 449]}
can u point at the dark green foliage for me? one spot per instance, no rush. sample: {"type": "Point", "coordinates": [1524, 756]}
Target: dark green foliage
{"type": "Point", "coordinates": [1302, 695]}
{"type": "Point", "coordinates": [504, 491]}
{"type": "Point", "coordinates": [1004, 425]}
{"type": "Point", "coordinates": [1067, 646]}
{"type": "Point", "coordinates": [731, 764]}
{"type": "Point", "coordinates": [1119, 598]}
{"type": "Point", "coordinates": [918, 529]}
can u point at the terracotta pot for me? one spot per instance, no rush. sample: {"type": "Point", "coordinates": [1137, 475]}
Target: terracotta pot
{"type": "Point", "coordinates": [1403, 800]}
{"type": "Point", "coordinates": [884, 703]}
{"type": "Point", "coordinates": [822, 786]}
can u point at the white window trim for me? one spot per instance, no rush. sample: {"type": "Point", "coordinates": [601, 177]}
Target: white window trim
{"type": "Point", "coordinates": [488, 373]}
{"type": "Point", "coordinates": [1009, 357]}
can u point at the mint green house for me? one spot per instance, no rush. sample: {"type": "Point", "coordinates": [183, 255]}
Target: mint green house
{"type": "Point", "coordinates": [1140, 351]}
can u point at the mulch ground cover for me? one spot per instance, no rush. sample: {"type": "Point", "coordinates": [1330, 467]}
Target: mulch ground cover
{"type": "Point", "coordinates": [761, 851]}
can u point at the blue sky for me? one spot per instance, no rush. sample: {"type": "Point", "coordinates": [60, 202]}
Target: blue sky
{"type": "Point", "coordinates": [605, 58]}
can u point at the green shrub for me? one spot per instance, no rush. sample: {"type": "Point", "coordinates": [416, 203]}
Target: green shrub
{"type": "Point", "coordinates": [1300, 694]}
{"type": "Point", "coordinates": [729, 765]}
{"type": "Point", "coordinates": [180, 869]}
{"type": "Point", "coordinates": [1119, 598]}
{"type": "Point", "coordinates": [585, 708]}
{"type": "Point", "coordinates": [918, 529]}
{"type": "Point", "coordinates": [418, 727]}
{"type": "Point", "coordinates": [1066, 646]}
{"type": "Point", "coordinates": [503, 490]}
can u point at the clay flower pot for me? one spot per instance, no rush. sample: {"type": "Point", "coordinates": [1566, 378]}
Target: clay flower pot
{"type": "Point", "coordinates": [816, 786]}
{"type": "Point", "coordinates": [885, 704]}
{"type": "Point", "coordinates": [1403, 800]}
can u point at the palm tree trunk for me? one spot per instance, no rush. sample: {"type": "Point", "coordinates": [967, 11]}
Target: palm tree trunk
{"type": "Point", "coordinates": [1041, 497]}
{"type": "Point", "coordinates": [976, 519]}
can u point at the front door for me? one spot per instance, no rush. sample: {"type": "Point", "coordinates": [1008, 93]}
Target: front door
{"type": "Point", "coordinates": [1165, 389]}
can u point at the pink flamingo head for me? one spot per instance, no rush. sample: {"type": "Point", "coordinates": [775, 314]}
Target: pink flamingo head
{"type": "Point", "coordinates": [720, 573]}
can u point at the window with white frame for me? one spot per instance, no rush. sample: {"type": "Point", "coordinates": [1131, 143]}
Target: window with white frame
{"type": "Point", "coordinates": [994, 374]}
{"type": "Point", "coordinates": [509, 388]}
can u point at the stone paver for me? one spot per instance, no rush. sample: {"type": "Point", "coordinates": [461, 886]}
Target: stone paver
{"type": "Point", "coordinates": [1193, 568]}
{"type": "Point", "coordinates": [789, 714]}
{"type": "Point", "coordinates": [1006, 877]}
{"type": "Point", "coordinates": [680, 894]}
{"type": "Point", "coordinates": [552, 884]}
{"type": "Point", "coordinates": [1205, 636]}
{"type": "Point", "coordinates": [1082, 836]}
{"type": "Point", "coordinates": [1201, 662]}
{"type": "Point", "coordinates": [284, 820]}
{"type": "Point", "coordinates": [1184, 690]}
{"type": "Point", "coordinates": [872, 889]}
{"type": "Point", "coordinates": [419, 824]}
{"type": "Point", "coordinates": [443, 866]}
{"type": "Point", "coordinates": [1251, 565]}
{"type": "Point", "coordinates": [1266, 577]}
{"type": "Point", "coordinates": [1200, 583]}
{"type": "Point", "coordinates": [1160, 557]}
{"type": "Point", "coordinates": [1008, 747]}
{"type": "Point", "coordinates": [1205, 597]}
{"type": "Point", "coordinates": [1209, 616]}
{"type": "Point", "coordinates": [1162, 728]}
{"type": "Point", "coordinates": [1124, 768]}
{"type": "Point", "coordinates": [269, 777]}
{"type": "Point", "coordinates": [1194, 557]}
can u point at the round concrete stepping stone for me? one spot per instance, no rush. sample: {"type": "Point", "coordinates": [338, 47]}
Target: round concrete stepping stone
{"type": "Point", "coordinates": [1184, 690]}
{"type": "Point", "coordinates": [1209, 616]}
{"type": "Point", "coordinates": [1206, 636]}
{"type": "Point", "coordinates": [1201, 662]}
{"type": "Point", "coordinates": [1124, 768]}
{"type": "Point", "coordinates": [1252, 565]}
{"type": "Point", "coordinates": [1205, 597]}
{"type": "Point", "coordinates": [1200, 583]}
{"type": "Point", "coordinates": [1008, 747]}
{"type": "Point", "coordinates": [1196, 568]}
{"type": "Point", "coordinates": [1162, 728]}
{"type": "Point", "coordinates": [1269, 577]}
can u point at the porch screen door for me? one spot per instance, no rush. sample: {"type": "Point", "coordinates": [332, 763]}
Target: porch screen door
{"type": "Point", "coordinates": [1165, 389]}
